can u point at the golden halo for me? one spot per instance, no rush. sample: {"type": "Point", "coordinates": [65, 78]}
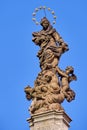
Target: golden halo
{"type": "Point", "coordinates": [43, 8]}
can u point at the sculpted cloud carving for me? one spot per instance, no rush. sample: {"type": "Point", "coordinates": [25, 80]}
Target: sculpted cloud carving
{"type": "Point", "coordinates": [52, 85]}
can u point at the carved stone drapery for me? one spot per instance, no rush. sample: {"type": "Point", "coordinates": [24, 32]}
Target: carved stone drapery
{"type": "Point", "coordinates": [51, 86]}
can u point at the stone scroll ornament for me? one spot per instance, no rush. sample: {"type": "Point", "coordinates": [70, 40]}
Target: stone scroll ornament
{"type": "Point", "coordinates": [52, 85]}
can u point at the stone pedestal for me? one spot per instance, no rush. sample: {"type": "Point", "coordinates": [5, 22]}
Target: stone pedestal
{"type": "Point", "coordinates": [50, 120]}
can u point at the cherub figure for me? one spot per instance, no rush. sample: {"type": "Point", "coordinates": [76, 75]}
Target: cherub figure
{"type": "Point", "coordinates": [65, 78]}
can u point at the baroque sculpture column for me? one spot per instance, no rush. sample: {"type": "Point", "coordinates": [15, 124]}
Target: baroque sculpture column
{"type": "Point", "coordinates": [52, 85]}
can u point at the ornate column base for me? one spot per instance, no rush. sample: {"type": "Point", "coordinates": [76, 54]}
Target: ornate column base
{"type": "Point", "coordinates": [50, 120]}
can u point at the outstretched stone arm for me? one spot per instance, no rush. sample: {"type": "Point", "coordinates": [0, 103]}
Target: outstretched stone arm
{"type": "Point", "coordinates": [61, 72]}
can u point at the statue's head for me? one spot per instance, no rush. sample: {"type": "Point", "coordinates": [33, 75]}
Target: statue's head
{"type": "Point", "coordinates": [44, 23]}
{"type": "Point", "coordinates": [28, 91]}
{"type": "Point", "coordinates": [69, 69]}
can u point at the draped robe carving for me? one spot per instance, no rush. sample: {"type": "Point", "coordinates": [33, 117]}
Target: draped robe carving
{"type": "Point", "coordinates": [52, 85]}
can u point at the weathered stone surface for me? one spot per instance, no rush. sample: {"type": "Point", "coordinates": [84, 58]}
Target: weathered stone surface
{"type": "Point", "coordinates": [52, 85]}
{"type": "Point", "coordinates": [50, 120]}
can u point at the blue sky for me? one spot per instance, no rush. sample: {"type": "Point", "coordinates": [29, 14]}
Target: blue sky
{"type": "Point", "coordinates": [19, 65]}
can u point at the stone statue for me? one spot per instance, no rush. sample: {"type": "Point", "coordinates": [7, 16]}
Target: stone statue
{"type": "Point", "coordinates": [52, 85]}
